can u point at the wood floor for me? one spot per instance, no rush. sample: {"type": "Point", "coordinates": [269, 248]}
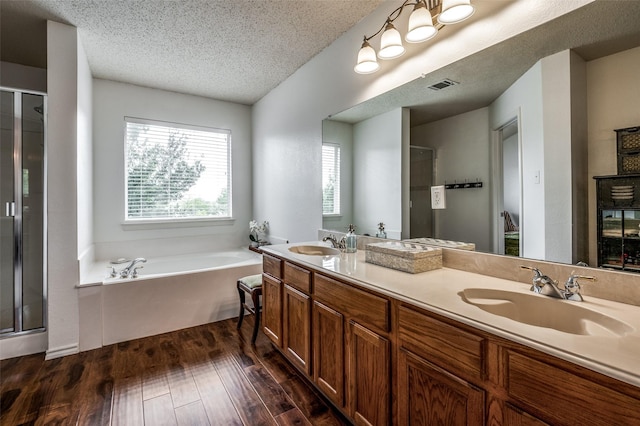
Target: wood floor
{"type": "Point", "coordinates": [206, 375]}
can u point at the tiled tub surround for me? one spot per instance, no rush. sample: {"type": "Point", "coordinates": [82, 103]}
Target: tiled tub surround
{"type": "Point", "coordinates": [439, 291]}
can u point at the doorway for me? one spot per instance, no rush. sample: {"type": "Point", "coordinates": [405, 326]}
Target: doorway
{"type": "Point", "coordinates": [509, 189]}
{"type": "Point", "coordinates": [421, 170]}
{"type": "Point", "coordinates": [22, 194]}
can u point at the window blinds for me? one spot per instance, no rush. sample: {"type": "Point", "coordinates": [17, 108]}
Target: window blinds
{"type": "Point", "coordinates": [176, 171]}
{"type": "Point", "coordinates": [330, 179]}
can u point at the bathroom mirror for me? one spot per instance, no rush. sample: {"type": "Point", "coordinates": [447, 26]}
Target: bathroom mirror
{"type": "Point", "coordinates": [417, 123]}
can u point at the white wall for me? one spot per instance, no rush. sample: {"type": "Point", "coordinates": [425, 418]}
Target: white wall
{"type": "Point", "coordinates": [113, 101]}
{"type": "Point", "coordinates": [524, 100]}
{"type": "Point", "coordinates": [61, 152]}
{"type": "Point", "coordinates": [462, 151]}
{"type": "Point", "coordinates": [377, 174]}
{"type": "Point", "coordinates": [85, 155]}
{"type": "Point", "coordinates": [613, 102]}
{"type": "Point", "coordinates": [287, 121]}
{"type": "Point", "coordinates": [342, 134]}
{"type": "Point", "coordinates": [18, 76]}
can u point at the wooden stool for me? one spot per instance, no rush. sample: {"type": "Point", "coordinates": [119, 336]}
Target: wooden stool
{"type": "Point", "coordinates": [251, 284]}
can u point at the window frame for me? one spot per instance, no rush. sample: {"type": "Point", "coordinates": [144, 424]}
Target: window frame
{"type": "Point", "coordinates": [132, 223]}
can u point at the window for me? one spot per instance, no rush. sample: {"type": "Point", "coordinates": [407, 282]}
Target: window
{"type": "Point", "coordinates": [330, 179]}
{"type": "Point", "coordinates": [176, 171]}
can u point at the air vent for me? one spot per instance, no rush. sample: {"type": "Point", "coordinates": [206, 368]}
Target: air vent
{"type": "Point", "coordinates": [442, 84]}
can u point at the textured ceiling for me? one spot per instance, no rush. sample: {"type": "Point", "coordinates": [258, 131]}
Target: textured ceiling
{"type": "Point", "coordinates": [233, 50]}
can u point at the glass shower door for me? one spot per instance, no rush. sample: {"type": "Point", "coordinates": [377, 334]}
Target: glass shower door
{"type": "Point", "coordinates": [7, 235]}
{"type": "Point", "coordinates": [22, 289]}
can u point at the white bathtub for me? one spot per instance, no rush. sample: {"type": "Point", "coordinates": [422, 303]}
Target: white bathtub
{"type": "Point", "coordinates": [186, 264]}
{"type": "Point", "coordinates": [170, 293]}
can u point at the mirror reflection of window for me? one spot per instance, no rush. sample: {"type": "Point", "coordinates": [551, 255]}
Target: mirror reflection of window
{"type": "Point", "coordinates": [330, 179]}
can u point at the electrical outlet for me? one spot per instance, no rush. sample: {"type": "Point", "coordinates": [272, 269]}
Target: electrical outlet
{"type": "Point", "coordinates": [438, 197]}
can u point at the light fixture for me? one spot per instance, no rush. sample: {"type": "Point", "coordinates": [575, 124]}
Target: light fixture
{"type": "Point", "coordinates": [421, 28]}
{"type": "Point", "coordinates": [367, 62]}
{"type": "Point", "coordinates": [390, 43]}
{"type": "Point", "coordinates": [454, 11]}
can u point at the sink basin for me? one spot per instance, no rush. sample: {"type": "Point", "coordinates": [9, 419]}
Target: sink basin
{"type": "Point", "coordinates": [314, 250]}
{"type": "Point", "coordinates": [542, 311]}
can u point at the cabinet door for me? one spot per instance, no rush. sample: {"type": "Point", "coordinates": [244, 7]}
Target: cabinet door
{"type": "Point", "coordinates": [428, 395]}
{"type": "Point", "coordinates": [516, 417]}
{"type": "Point", "coordinates": [272, 309]}
{"type": "Point", "coordinates": [297, 328]}
{"type": "Point", "coordinates": [328, 355]}
{"type": "Point", "coordinates": [369, 378]}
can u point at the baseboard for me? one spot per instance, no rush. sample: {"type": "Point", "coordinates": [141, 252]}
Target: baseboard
{"type": "Point", "coordinates": [62, 351]}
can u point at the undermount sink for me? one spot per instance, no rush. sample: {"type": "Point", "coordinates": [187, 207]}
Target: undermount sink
{"type": "Point", "coordinates": [542, 311]}
{"type": "Point", "coordinates": [314, 250]}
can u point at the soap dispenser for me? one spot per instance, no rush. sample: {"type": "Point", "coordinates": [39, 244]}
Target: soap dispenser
{"type": "Point", "coordinates": [350, 240]}
{"type": "Point", "coordinates": [381, 233]}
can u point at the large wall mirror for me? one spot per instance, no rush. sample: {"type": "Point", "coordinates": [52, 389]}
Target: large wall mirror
{"type": "Point", "coordinates": [531, 118]}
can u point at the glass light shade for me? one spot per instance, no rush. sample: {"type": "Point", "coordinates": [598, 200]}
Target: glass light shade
{"type": "Point", "coordinates": [390, 43]}
{"type": "Point", "coordinates": [367, 62]}
{"type": "Point", "coordinates": [454, 11]}
{"type": "Point", "coordinates": [420, 25]}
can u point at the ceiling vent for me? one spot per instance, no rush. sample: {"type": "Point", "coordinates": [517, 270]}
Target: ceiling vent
{"type": "Point", "coordinates": [442, 84]}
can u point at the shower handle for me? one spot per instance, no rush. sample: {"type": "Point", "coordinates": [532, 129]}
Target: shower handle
{"type": "Point", "coordinates": [10, 208]}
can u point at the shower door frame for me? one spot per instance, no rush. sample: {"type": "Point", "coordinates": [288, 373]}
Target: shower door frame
{"type": "Point", "coordinates": [17, 209]}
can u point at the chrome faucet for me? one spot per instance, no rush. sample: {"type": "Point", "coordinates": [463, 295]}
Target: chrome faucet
{"type": "Point", "coordinates": [341, 245]}
{"type": "Point", "coordinates": [572, 287]}
{"type": "Point", "coordinates": [129, 270]}
{"type": "Point", "coordinates": [543, 284]}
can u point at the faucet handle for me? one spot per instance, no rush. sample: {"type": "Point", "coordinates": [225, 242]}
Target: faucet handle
{"type": "Point", "coordinates": [112, 272]}
{"type": "Point", "coordinates": [572, 286]}
{"type": "Point", "coordinates": [134, 273]}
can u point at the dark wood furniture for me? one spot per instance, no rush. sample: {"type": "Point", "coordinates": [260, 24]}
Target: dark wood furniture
{"type": "Point", "coordinates": [251, 284]}
{"type": "Point", "coordinates": [383, 361]}
{"type": "Point", "coordinates": [618, 232]}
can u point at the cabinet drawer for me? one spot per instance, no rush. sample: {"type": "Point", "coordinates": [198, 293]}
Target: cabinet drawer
{"type": "Point", "coordinates": [297, 277]}
{"type": "Point", "coordinates": [272, 266]}
{"type": "Point", "coordinates": [561, 397]}
{"type": "Point", "coordinates": [447, 346]}
{"type": "Point", "coordinates": [366, 308]}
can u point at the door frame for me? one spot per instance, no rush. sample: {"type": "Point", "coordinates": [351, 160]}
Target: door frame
{"type": "Point", "coordinates": [497, 178]}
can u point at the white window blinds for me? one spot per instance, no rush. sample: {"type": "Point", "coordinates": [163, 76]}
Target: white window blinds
{"type": "Point", "coordinates": [176, 171]}
{"type": "Point", "coordinates": [330, 179]}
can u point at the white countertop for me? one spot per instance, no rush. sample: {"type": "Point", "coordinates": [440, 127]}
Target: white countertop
{"type": "Point", "coordinates": [437, 291]}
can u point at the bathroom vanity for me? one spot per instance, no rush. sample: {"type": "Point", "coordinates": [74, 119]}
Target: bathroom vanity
{"type": "Point", "coordinates": [388, 347]}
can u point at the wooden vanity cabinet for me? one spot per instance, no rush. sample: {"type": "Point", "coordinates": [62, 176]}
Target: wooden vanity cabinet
{"type": "Point", "coordinates": [272, 289]}
{"type": "Point", "coordinates": [328, 352]}
{"type": "Point", "coordinates": [435, 362]}
{"type": "Point", "coordinates": [296, 317]}
{"type": "Point", "coordinates": [352, 349]}
{"type": "Point", "coordinates": [349, 340]}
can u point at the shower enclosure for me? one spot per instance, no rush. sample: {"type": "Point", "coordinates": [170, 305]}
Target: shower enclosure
{"type": "Point", "coordinates": [22, 218]}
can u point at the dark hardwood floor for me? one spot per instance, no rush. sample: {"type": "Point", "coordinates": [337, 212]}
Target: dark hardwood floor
{"type": "Point", "coordinates": [205, 375]}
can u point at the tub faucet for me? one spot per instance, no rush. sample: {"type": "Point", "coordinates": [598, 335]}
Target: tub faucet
{"type": "Point", "coordinates": [126, 272]}
{"type": "Point", "coordinates": [335, 243]}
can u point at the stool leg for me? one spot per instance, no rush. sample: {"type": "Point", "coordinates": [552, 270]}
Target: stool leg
{"type": "Point", "coordinates": [241, 315]}
{"type": "Point", "coordinates": [255, 297]}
